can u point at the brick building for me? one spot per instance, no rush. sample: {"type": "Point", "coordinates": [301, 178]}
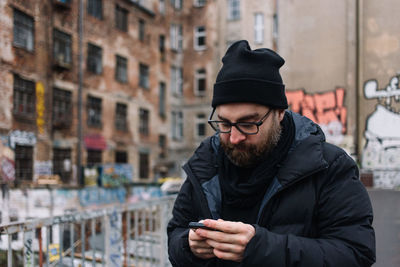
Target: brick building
{"type": "Point", "coordinates": [92, 82]}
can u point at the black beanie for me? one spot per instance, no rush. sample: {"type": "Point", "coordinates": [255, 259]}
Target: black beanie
{"type": "Point", "coordinates": [250, 76]}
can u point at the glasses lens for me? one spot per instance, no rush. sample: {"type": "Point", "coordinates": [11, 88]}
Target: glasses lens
{"type": "Point", "coordinates": [248, 128]}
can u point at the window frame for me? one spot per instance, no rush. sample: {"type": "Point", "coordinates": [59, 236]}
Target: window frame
{"type": "Point", "coordinates": [144, 121]}
{"type": "Point", "coordinates": [94, 104]}
{"type": "Point", "coordinates": [95, 8]}
{"type": "Point", "coordinates": [121, 116]}
{"type": "Point", "coordinates": [121, 18]}
{"type": "Point", "coordinates": [144, 165]}
{"type": "Point", "coordinates": [144, 76]}
{"type": "Point", "coordinates": [200, 76]}
{"type": "Point", "coordinates": [62, 108]}
{"type": "Point", "coordinates": [94, 62]}
{"type": "Point", "coordinates": [177, 81]}
{"type": "Point", "coordinates": [177, 125]}
{"type": "Point", "coordinates": [23, 30]}
{"type": "Point", "coordinates": [121, 69]}
{"type": "Point", "coordinates": [23, 157]}
{"type": "Point", "coordinates": [142, 30]}
{"type": "Point", "coordinates": [59, 157]}
{"type": "Point", "coordinates": [233, 9]}
{"type": "Point", "coordinates": [24, 91]}
{"type": "Point", "coordinates": [162, 99]}
{"type": "Point", "coordinates": [62, 47]}
{"type": "Point", "coordinates": [176, 37]}
{"type": "Point", "coordinates": [200, 121]}
{"type": "Point", "coordinates": [259, 28]}
{"type": "Point", "coordinates": [200, 36]}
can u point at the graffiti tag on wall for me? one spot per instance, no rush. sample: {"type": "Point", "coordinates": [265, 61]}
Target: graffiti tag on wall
{"type": "Point", "coordinates": [327, 109]}
{"type": "Point", "coordinates": [40, 107]}
{"type": "Point", "coordinates": [382, 133]}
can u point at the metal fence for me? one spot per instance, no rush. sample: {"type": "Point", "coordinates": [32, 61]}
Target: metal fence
{"type": "Point", "coordinates": [124, 235]}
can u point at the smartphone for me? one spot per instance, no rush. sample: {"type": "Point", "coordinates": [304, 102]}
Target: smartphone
{"type": "Point", "coordinates": [195, 225]}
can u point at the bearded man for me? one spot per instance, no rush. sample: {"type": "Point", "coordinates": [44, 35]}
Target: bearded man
{"type": "Point", "coordinates": [267, 186]}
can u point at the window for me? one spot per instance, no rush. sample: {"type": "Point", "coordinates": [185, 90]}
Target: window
{"type": "Point", "coordinates": [94, 157]}
{"type": "Point", "coordinates": [200, 38]}
{"type": "Point", "coordinates": [121, 73]}
{"type": "Point", "coordinates": [177, 125]}
{"type": "Point", "coordinates": [258, 28]}
{"type": "Point", "coordinates": [162, 144]}
{"type": "Point", "coordinates": [121, 18]}
{"type": "Point", "coordinates": [275, 30]}
{"type": "Point", "coordinates": [120, 117]}
{"type": "Point", "coordinates": [161, 101]}
{"type": "Point", "coordinates": [95, 8]}
{"type": "Point", "coordinates": [161, 7]}
{"type": "Point", "coordinates": [200, 82]}
{"type": "Point", "coordinates": [121, 157]}
{"type": "Point", "coordinates": [177, 4]}
{"type": "Point", "coordinates": [23, 30]}
{"type": "Point", "coordinates": [233, 9]}
{"type": "Point", "coordinates": [143, 165]}
{"type": "Point", "coordinates": [161, 46]}
{"type": "Point", "coordinates": [23, 163]}
{"type": "Point", "coordinates": [176, 37]}
{"type": "Point", "coordinates": [144, 121]}
{"type": "Point", "coordinates": [62, 48]}
{"type": "Point", "coordinates": [94, 111]}
{"type": "Point", "coordinates": [200, 130]}
{"type": "Point", "coordinates": [24, 98]}
{"type": "Point", "coordinates": [200, 3]}
{"type": "Point", "coordinates": [62, 163]}
{"type": "Point", "coordinates": [144, 76]}
{"type": "Point", "coordinates": [176, 81]}
{"type": "Point", "coordinates": [62, 108]}
{"type": "Point", "coordinates": [94, 59]}
{"type": "Point", "coordinates": [142, 30]}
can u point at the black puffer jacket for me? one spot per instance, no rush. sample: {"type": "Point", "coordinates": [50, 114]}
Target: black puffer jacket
{"type": "Point", "coordinates": [316, 212]}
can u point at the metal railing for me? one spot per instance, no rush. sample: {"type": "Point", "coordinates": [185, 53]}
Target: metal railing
{"type": "Point", "coordinates": [124, 235]}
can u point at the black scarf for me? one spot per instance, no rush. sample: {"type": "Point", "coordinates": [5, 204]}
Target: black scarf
{"type": "Point", "coordinates": [244, 187]}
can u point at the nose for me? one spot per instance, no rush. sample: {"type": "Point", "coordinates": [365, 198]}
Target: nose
{"type": "Point", "coordinates": [236, 136]}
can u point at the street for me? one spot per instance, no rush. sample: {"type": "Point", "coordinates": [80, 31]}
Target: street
{"type": "Point", "coordinates": [386, 206]}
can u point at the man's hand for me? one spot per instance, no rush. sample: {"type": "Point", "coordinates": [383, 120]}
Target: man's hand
{"type": "Point", "coordinates": [231, 239]}
{"type": "Point", "coordinates": [199, 246]}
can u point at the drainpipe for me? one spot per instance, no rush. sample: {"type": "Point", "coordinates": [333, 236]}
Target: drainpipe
{"type": "Point", "coordinates": [80, 81]}
{"type": "Point", "coordinates": [359, 76]}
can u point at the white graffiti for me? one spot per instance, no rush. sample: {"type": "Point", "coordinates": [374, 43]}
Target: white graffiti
{"type": "Point", "coordinates": [371, 90]}
{"type": "Point", "coordinates": [382, 133]}
{"type": "Point", "coordinates": [383, 140]}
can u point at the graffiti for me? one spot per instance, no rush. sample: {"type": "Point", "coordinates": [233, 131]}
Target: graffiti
{"type": "Point", "coordinates": [40, 108]}
{"type": "Point", "coordinates": [90, 176]}
{"type": "Point", "coordinates": [371, 90]}
{"type": "Point", "coordinates": [99, 196]}
{"type": "Point", "coordinates": [139, 193]}
{"type": "Point", "coordinates": [382, 134]}
{"type": "Point", "coordinates": [326, 109]}
{"type": "Point", "coordinates": [28, 253]}
{"type": "Point", "coordinates": [114, 175]}
{"type": "Point", "coordinates": [115, 238]}
{"type": "Point", "coordinates": [43, 167]}
{"type": "Point", "coordinates": [22, 138]}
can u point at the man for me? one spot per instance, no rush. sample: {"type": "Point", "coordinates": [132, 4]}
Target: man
{"type": "Point", "coordinates": [273, 192]}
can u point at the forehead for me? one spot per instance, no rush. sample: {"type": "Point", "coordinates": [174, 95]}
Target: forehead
{"type": "Point", "coordinates": [240, 109]}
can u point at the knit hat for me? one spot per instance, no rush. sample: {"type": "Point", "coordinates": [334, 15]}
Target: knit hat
{"type": "Point", "coordinates": [250, 76]}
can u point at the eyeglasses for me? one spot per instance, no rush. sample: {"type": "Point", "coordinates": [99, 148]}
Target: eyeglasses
{"type": "Point", "coordinates": [243, 127]}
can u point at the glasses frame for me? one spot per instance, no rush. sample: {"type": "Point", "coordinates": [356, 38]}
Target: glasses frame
{"type": "Point", "coordinates": [237, 124]}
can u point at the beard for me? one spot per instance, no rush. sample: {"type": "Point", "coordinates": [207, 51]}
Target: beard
{"type": "Point", "coordinates": [247, 155]}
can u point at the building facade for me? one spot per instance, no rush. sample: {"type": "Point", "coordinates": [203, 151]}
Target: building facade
{"type": "Point", "coordinates": [128, 84]}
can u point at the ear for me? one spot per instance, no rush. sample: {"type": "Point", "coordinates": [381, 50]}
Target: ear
{"type": "Point", "coordinates": [281, 114]}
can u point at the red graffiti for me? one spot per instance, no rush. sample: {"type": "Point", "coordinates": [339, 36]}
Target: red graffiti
{"type": "Point", "coordinates": [322, 108]}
